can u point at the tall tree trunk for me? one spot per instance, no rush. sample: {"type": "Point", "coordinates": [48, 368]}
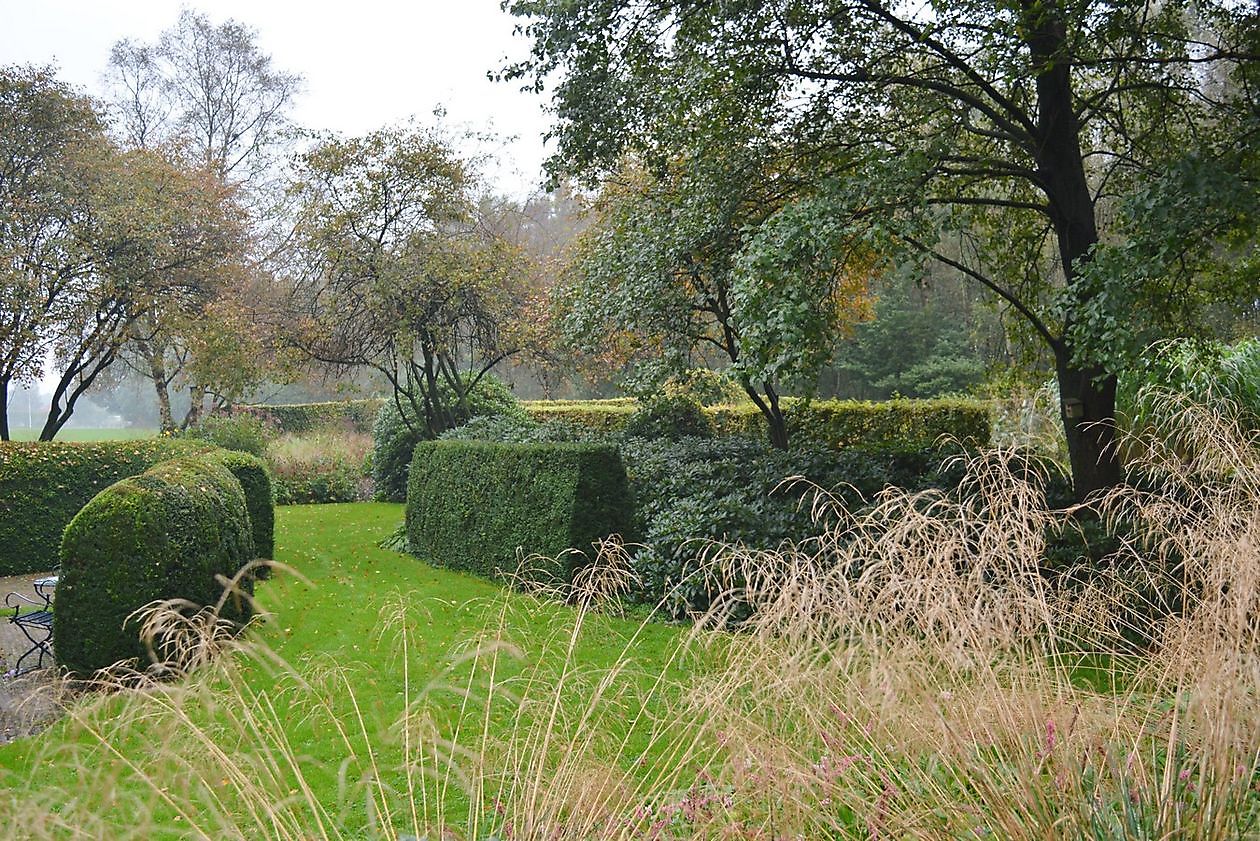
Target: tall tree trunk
{"type": "Point", "coordinates": [1087, 407]}
{"type": "Point", "coordinates": [4, 409]}
{"type": "Point", "coordinates": [154, 354]}
{"type": "Point", "coordinates": [1087, 393]}
{"type": "Point", "coordinates": [196, 404]}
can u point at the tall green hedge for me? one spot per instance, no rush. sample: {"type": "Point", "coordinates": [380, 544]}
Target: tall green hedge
{"type": "Point", "coordinates": [470, 504]}
{"type": "Point", "coordinates": [888, 424]}
{"type": "Point", "coordinates": [599, 415]}
{"type": "Point", "coordinates": [164, 534]}
{"type": "Point", "coordinates": [44, 484]}
{"type": "Point", "coordinates": [260, 499]}
{"type": "Point", "coordinates": [303, 417]}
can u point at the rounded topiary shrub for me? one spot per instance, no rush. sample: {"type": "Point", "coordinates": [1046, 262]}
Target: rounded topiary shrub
{"type": "Point", "coordinates": [394, 439]}
{"type": "Point", "coordinates": [260, 501]}
{"type": "Point", "coordinates": [669, 418]}
{"type": "Point", "coordinates": [168, 533]}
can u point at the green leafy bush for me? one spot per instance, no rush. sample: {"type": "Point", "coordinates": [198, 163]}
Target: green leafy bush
{"type": "Point", "coordinates": [243, 431]}
{"type": "Point", "coordinates": [471, 504]}
{"type": "Point", "coordinates": [167, 533]}
{"type": "Point", "coordinates": [669, 418]}
{"type": "Point", "coordinates": [1210, 374]}
{"type": "Point", "coordinates": [260, 502]}
{"type": "Point", "coordinates": [394, 439]}
{"type": "Point", "coordinates": [44, 484]}
{"type": "Point", "coordinates": [326, 465]}
{"type": "Point", "coordinates": [300, 418]}
{"type": "Point", "coordinates": [694, 491]}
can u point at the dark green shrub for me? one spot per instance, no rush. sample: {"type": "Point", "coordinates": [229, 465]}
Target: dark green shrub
{"type": "Point", "coordinates": [340, 484]}
{"type": "Point", "coordinates": [669, 418]}
{"type": "Point", "coordinates": [695, 490]}
{"type": "Point", "coordinates": [44, 484]}
{"type": "Point", "coordinates": [165, 534]}
{"type": "Point", "coordinates": [471, 504]}
{"type": "Point", "coordinates": [260, 501]}
{"type": "Point", "coordinates": [299, 418]}
{"type": "Point", "coordinates": [243, 431]}
{"type": "Point", "coordinates": [394, 439]}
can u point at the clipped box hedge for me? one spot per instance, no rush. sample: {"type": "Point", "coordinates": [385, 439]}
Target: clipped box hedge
{"type": "Point", "coordinates": [298, 418]}
{"type": "Point", "coordinates": [471, 504]}
{"type": "Point", "coordinates": [44, 484]}
{"type": "Point", "coordinates": [165, 534]}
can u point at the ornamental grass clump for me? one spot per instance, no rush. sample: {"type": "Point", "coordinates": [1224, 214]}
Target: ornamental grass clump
{"type": "Point", "coordinates": [328, 464]}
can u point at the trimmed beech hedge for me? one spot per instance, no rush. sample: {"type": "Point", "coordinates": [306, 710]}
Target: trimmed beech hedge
{"type": "Point", "coordinates": [164, 534]}
{"type": "Point", "coordinates": [470, 504]}
{"type": "Point", "coordinates": [260, 500]}
{"type": "Point", "coordinates": [44, 484]}
{"type": "Point", "coordinates": [304, 417]}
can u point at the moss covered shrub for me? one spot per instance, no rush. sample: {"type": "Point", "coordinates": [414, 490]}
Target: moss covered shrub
{"type": "Point", "coordinates": [395, 438]}
{"type": "Point", "coordinates": [471, 504]}
{"type": "Point", "coordinates": [168, 533]}
{"type": "Point", "coordinates": [44, 484]}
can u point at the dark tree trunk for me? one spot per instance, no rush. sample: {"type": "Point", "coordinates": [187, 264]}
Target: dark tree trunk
{"type": "Point", "coordinates": [4, 410]}
{"type": "Point", "coordinates": [772, 411]}
{"type": "Point", "coordinates": [1087, 408]}
{"type": "Point", "coordinates": [1087, 393]}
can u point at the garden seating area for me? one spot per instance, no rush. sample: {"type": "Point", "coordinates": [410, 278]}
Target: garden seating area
{"type": "Point", "coordinates": [34, 618]}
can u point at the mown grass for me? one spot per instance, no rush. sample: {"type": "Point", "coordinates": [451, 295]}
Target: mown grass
{"type": "Point", "coordinates": [337, 618]}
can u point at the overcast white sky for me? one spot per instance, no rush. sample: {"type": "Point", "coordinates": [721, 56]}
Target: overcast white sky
{"type": "Point", "coordinates": [367, 63]}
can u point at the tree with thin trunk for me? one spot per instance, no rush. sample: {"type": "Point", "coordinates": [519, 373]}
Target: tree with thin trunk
{"type": "Point", "coordinates": [206, 92]}
{"type": "Point", "coordinates": [400, 273]}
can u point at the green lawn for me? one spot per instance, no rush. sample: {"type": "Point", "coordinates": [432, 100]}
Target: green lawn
{"type": "Point", "coordinates": [342, 633]}
{"type": "Point", "coordinates": [23, 433]}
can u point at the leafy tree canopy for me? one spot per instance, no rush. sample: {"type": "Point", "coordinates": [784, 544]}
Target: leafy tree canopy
{"type": "Point", "coordinates": [1100, 158]}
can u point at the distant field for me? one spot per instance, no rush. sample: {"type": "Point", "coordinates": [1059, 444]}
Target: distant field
{"type": "Point", "coordinates": [27, 434]}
